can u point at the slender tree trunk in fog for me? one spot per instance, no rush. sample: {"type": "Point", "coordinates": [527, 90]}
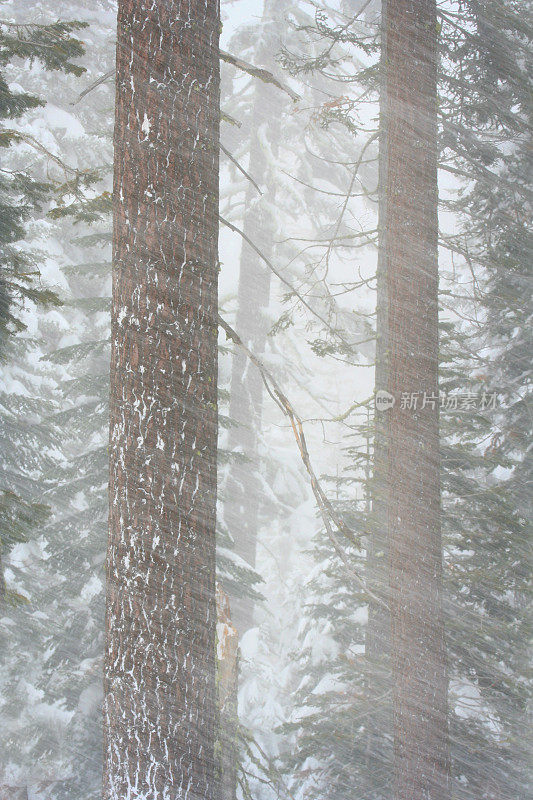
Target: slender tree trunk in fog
{"type": "Point", "coordinates": [377, 640]}
{"type": "Point", "coordinates": [417, 630]}
{"type": "Point", "coordinates": [160, 656]}
{"type": "Point", "coordinates": [243, 490]}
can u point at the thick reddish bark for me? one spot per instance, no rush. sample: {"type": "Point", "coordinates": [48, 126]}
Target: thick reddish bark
{"type": "Point", "coordinates": [418, 653]}
{"type": "Point", "coordinates": [161, 618]}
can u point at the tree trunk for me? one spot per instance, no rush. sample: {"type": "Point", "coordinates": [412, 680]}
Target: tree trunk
{"type": "Point", "coordinates": [378, 635]}
{"type": "Point", "coordinates": [243, 489]}
{"type": "Point", "coordinates": [417, 629]}
{"type": "Point", "coordinates": [160, 699]}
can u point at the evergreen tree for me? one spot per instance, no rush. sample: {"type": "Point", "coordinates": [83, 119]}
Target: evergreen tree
{"type": "Point", "coordinates": [337, 681]}
{"type": "Point", "coordinates": [482, 77]}
{"type": "Point", "coordinates": [418, 659]}
{"type": "Point", "coordinates": [22, 194]}
{"type": "Point", "coordinates": [33, 179]}
{"type": "Point", "coordinates": [67, 653]}
{"type": "Point", "coordinates": [310, 176]}
{"type": "Point", "coordinates": [489, 591]}
{"type": "Point", "coordinates": [160, 711]}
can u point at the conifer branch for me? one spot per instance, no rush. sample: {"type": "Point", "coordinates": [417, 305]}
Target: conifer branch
{"type": "Point", "coordinates": [275, 781]}
{"type": "Point", "coordinates": [18, 136]}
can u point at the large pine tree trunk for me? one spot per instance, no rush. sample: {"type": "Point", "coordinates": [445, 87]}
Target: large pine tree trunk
{"type": "Point", "coordinates": [243, 490]}
{"type": "Point", "coordinates": [417, 630]}
{"type": "Point", "coordinates": [160, 658]}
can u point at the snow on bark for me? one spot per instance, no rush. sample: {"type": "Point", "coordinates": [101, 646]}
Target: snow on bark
{"type": "Point", "coordinates": [160, 702]}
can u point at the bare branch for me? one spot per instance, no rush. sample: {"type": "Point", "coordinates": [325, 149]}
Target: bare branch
{"type": "Point", "coordinates": [225, 117]}
{"type": "Point", "coordinates": [347, 198]}
{"type": "Point", "coordinates": [258, 72]}
{"type": "Point", "coordinates": [278, 274]}
{"type": "Point", "coordinates": [327, 512]}
{"type": "Point", "coordinates": [96, 83]}
{"type": "Point", "coordinates": [241, 169]}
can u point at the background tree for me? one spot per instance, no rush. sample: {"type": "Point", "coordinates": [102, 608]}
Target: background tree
{"type": "Point", "coordinates": [413, 485]}
{"type": "Point", "coordinates": [475, 68]}
{"type": "Point", "coordinates": [22, 194]}
{"type": "Point", "coordinates": [243, 488]}
{"type": "Point", "coordinates": [32, 180]}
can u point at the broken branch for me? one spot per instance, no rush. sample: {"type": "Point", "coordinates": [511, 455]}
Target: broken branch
{"type": "Point", "coordinates": [257, 72]}
{"type": "Point", "coordinates": [241, 169]}
{"type": "Point", "coordinates": [327, 512]}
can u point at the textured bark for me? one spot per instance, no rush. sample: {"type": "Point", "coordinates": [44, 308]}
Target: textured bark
{"type": "Point", "coordinates": [243, 489]}
{"type": "Point", "coordinates": [160, 699]}
{"type": "Point", "coordinates": [418, 653]}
